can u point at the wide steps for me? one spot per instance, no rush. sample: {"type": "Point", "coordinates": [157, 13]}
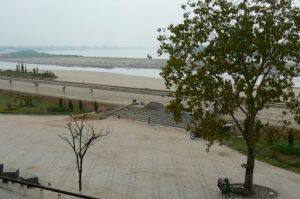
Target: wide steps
{"type": "Point", "coordinates": [159, 117]}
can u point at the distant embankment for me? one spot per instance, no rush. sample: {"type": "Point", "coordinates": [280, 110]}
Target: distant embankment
{"type": "Point", "coordinates": [101, 62]}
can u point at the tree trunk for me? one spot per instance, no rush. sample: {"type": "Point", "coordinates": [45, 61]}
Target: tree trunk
{"type": "Point", "coordinates": [80, 179]}
{"type": "Point", "coordinates": [249, 169]}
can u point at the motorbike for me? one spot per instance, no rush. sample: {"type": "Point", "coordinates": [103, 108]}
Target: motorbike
{"type": "Point", "coordinates": [226, 188]}
{"type": "Point", "coordinates": [194, 135]}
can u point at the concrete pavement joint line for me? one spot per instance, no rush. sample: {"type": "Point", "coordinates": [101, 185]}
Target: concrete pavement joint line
{"type": "Point", "coordinates": [72, 165]}
{"type": "Point", "coordinates": [268, 175]}
{"type": "Point", "coordinates": [110, 176]}
{"type": "Point", "coordinates": [57, 157]}
{"type": "Point", "coordinates": [155, 170]}
{"type": "Point", "coordinates": [198, 171]}
{"type": "Point", "coordinates": [178, 182]}
{"type": "Point", "coordinates": [132, 175]}
{"type": "Point", "coordinates": [91, 168]}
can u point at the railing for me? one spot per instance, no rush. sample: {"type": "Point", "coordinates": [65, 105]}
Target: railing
{"type": "Point", "coordinates": [59, 191]}
{"type": "Point", "coordinates": [146, 91]}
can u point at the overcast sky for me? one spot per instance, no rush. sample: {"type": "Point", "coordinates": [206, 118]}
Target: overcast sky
{"type": "Point", "coordinates": [124, 23]}
{"type": "Point", "coordinates": [85, 22]}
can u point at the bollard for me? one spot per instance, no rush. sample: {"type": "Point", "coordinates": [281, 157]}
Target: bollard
{"type": "Point", "coordinates": [119, 116]}
{"type": "Point", "coordinates": [149, 120]}
{"type": "Point", "coordinates": [59, 196]}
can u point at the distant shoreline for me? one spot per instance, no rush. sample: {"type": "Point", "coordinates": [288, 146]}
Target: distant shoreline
{"type": "Point", "coordinates": [81, 61]}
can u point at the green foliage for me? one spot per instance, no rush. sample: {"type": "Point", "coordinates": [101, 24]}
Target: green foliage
{"type": "Point", "coordinates": [24, 101]}
{"type": "Point", "coordinates": [291, 138]}
{"type": "Point", "coordinates": [80, 105]}
{"type": "Point", "coordinates": [269, 153]}
{"type": "Point", "coordinates": [240, 57]}
{"type": "Point", "coordinates": [28, 104]}
{"type": "Point", "coordinates": [70, 105]}
{"type": "Point", "coordinates": [48, 74]}
{"type": "Point", "coordinates": [249, 42]}
{"type": "Point", "coordinates": [297, 164]}
{"type": "Point", "coordinates": [57, 109]}
{"type": "Point", "coordinates": [29, 75]}
{"type": "Point", "coordinates": [96, 107]}
{"type": "Point", "coordinates": [286, 149]}
{"type": "Point", "coordinates": [9, 107]}
{"type": "Point", "coordinates": [60, 102]}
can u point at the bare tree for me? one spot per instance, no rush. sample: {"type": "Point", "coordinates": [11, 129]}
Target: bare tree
{"type": "Point", "coordinates": [64, 91]}
{"type": "Point", "coordinates": [10, 85]}
{"type": "Point", "coordinates": [82, 136]}
{"type": "Point", "coordinates": [36, 85]}
{"type": "Point", "coordinates": [92, 93]}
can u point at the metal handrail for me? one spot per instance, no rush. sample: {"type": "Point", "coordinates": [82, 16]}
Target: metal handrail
{"type": "Point", "coordinates": [48, 188]}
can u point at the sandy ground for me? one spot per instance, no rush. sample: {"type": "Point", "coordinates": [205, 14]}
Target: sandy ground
{"type": "Point", "coordinates": [111, 79]}
{"type": "Point", "coordinates": [103, 62]}
{"type": "Point", "coordinates": [134, 161]}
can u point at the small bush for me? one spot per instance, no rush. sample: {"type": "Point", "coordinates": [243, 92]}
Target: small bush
{"type": "Point", "coordinates": [70, 105]}
{"type": "Point", "coordinates": [24, 101]}
{"type": "Point", "coordinates": [60, 102]}
{"type": "Point", "coordinates": [96, 107]}
{"type": "Point", "coordinates": [57, 109]}
{"type": "Point", "coordinates": [286, 149]}
{"type": "Point", "coordinates": [9, 107]}
{"type": "Point", "coordinates": [297, 164]}
{"type": "Point", "coordinates": [80, 106]}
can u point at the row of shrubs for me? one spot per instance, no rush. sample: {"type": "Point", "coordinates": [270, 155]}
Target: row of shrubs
{"type": "Point", "coordinates": [286, 148]}
{"type": "Point", "coordinates": [70, 108]}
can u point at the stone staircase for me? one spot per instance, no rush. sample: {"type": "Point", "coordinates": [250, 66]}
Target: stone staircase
{"type": "Point", "coordinates": [151, 116]}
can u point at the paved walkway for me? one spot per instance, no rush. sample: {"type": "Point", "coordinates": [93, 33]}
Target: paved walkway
{"type": "Point", "coordinates": [134, 161]}
{"type": "Point", "coordinates": [4, 194]}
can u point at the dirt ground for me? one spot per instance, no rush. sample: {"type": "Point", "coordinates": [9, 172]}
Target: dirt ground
{"type": "Point", "coordinates": [134, 161]}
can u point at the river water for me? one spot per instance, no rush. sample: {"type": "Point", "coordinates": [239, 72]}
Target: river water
{"type": "Point", "coordinates": [122, 53]}
{"type": "Point", "coordinates": [142, 72]}
{"type": "Point", "coordinates": [154, 73]}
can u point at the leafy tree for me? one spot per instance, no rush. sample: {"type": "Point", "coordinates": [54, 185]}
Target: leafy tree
{"type": "Point", "coordinates": [70, 105]}
{"type": "Point", "coordinates": [22, 67]}
{"type": "Point", "coordinates": [80, 106]}
{"type": "Point", "coordinates": [291, 138]}
{"type": "Point", "coordinates": [240, 55]}
{"type": "Point", "coordinates": [96, 107]}
{"type": "Point", "coordinates": [82, 137]}
{"type": "Point", "coordinates": [60, 102]}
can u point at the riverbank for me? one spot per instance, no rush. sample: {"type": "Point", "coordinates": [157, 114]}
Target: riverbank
{"type": "Point", "coordinates": [100, 62]}
{"type": "Point", "coordinates": [111, 79]}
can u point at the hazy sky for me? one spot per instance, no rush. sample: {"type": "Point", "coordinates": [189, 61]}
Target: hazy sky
{"type": "Point", "coordinates": [85, 22]}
